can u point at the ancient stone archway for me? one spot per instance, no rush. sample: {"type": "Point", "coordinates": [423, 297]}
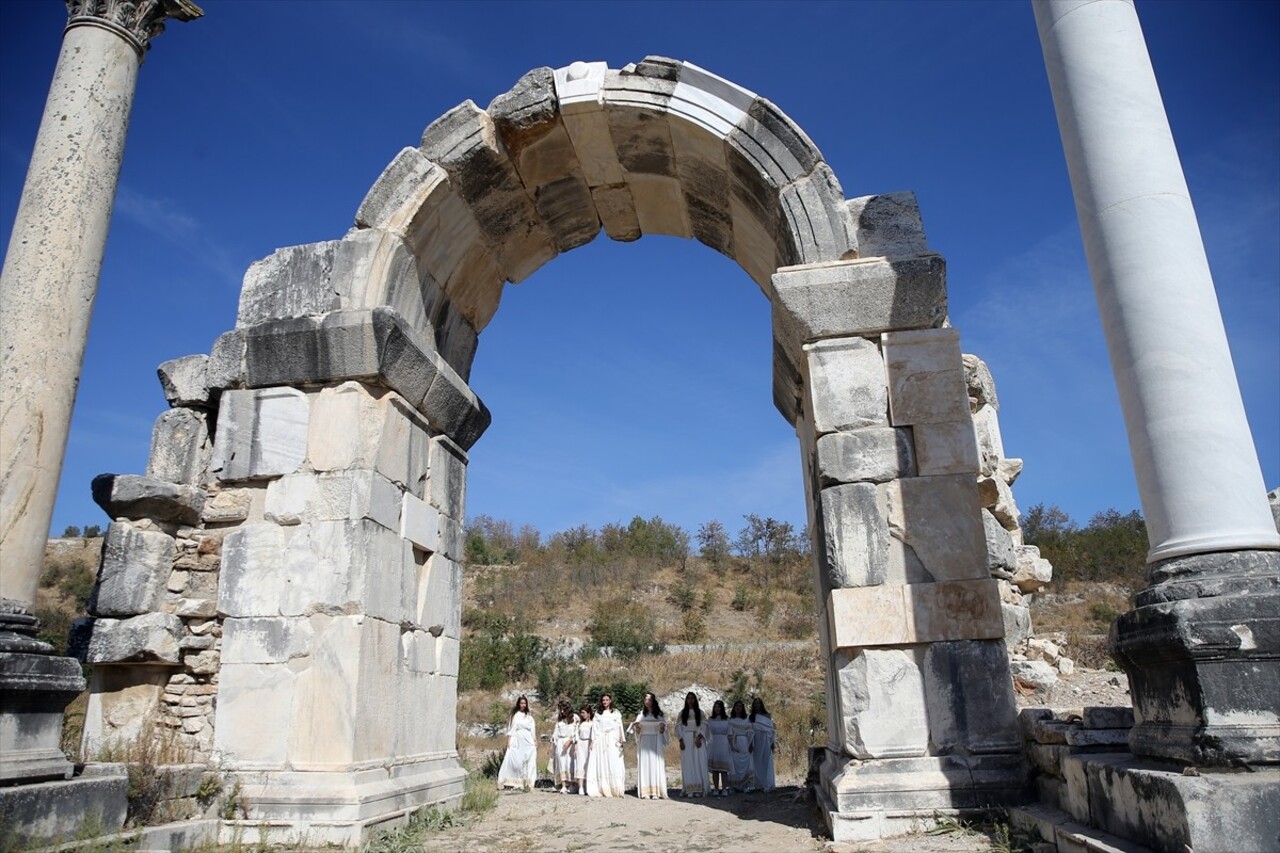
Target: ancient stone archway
{"type": "Point", "coordinates": [318, 460]}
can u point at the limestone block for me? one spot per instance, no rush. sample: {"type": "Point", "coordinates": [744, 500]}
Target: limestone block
{"type": "Point", "coordinates": [334, 496]}
{"type": "Point", "coordinates": [420, 523]}
{"type": "Point", "coordinates": [1032, 572]}
{"type": "Point", "coordinates": [1017, 624]}
{"type": "Point", "coordinates": [854, 536]}
{"type": "Point", "coordinates": [660, 205]}
{"type": "Point", "coordinates": [902, 614]}
{"type": "Point", "coordinates": [251, 582]}
{"type": "Point", "coordinates": [227, 505]}
{"type": "Point", "coordinates": [1033, 674]}
{"type": "Point", "coordinates": [995, 495]}
{"type": "Point", "coordinates": [291, 282]}
{"type": "Point", "coordinates": [882, 704]}
{"type": "Point", "coordinates": [149, 638]}
{"type": "Point", "coordinates": [846, 384]}
{"type": "Point", "coordinates": [418, 651]}
{"type": "Point", "coordinates": [465, 143]}
{"type": "Point", "coordinates": [815, 213]}
{"type": "Point", "coordinates": [360, 344]}
{"type": "Point", "coordinates": [399, 192]}
{"type": "Point", "coordinates": [1007, 470]}
{"type": "Point", "coordinates": [267, 639]}
{"type": "Point", "coordinates": [926, 377]}
{"type": "Point", "coordinates": [453, 408]}
{"type": "Point", "coordinates": [447, 477]}
{"type": "Point", "coordinates": [130, 496]}
{"type": "Point", "coordinates": [888, 225]}
{"type": "Point", "coordinates": [873, 454]}
{"type": "Point", "coordinates": [635, 107]}
{"type": "Point", "coordinates": [135, 565]}
{"type": "Point", "coordinates": [456, 340]}
{"type": "Point", "coordinates": [1002, 558]}
{"type": "Point", "coordinates": [256, 711]}
{"type": "Point", "coordinates": [945, 448]}
{"type": "Point", "coordinates": [261, 433]}
{"type": "Point", "coordinates": [185, 381]}
{"type": "Point", "coordinates": [180, 447]}
{"type": "Point", "coordinates": [935, 529]}
{"type": "Point", "coordinates": [225, 367]}
{"type": "Point", "coordinates": [859, 297]}
{"type": "Point", "coordinates": [579, 90]}
{"type": "Point", "coordinates": [448, 650]}
{"type": "Point", "coordinates": [970, 704]}
{"type": "Point", "coordinates": [346, 428]}
{"type": "Point", "coordinates": [196, 608]}
{"type": "Point", "coordinates": [617, 211]}
{"type": "Point", "coordinates": [452, 543]}
{"type": "Point", "coordinates": [379, 674]}
{"type": "Point", "coordinates": [754, 243]}
{"type": "Point", "coordinates": [981, 384]}
{"type": "Point", "coordinates": [403, 450]}
{"type": "Point", "coordinates": [439, 596]}
{"type": "Point", "coordinates": [986, 430]}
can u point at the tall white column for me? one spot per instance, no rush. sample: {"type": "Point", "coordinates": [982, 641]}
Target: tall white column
{"type": "Point", "coordinates": [50, 273]}
{"type": "Point", "coordinates": [1198, 475]}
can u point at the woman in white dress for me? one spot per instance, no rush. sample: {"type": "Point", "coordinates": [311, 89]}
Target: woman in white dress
{"type": "Point", "coordinates": [719, 756]}
{"type": "Point", "coordinates": [562, 749]}
{"type": "Point", "coordinates": [694, 749]}
{"type": "Point", "coordinates": [583, 768]}
{"type": "Point", "coordinates": [763, 744]}
{"type": "Point", "coordinates": [741, 738]}
{"type": "Point", "coordinates": [520, 764]}
{"type": "Point", "coordinates": [610, 773]}
{"type": "Point", "coordinates": [650, 729]}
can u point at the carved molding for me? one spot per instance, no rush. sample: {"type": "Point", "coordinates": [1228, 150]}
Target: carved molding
{"type": "Point", "coordinates": [137, 21]}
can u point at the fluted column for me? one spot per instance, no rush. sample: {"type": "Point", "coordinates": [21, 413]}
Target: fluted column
{"type": "Point", "coordinates": [1202, 647]}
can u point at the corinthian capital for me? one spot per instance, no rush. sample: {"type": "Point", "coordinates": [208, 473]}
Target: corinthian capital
{"type": "Point", "coordinates": [136, 21]}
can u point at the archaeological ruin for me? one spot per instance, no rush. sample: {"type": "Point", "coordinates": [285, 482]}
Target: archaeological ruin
{"type": "Point", "coordinates": [285, 576]}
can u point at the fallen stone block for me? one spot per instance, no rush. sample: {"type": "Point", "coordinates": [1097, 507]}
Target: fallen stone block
{"type": "Point", "coordinates": [180, 447]}
{"type": "Point", "coordinates": [1033, 674]}
{"type": "Point", "coordinates": [185, 381]}
{"type": "Point", "coordinates": [149, 638]}
{"type": "Point", "coordinates": [135, 566]}
{"type": "Point", "coordinates": [131, 496]}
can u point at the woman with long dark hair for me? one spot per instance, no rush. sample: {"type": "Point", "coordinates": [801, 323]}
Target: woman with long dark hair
{"type": "Point", "coordinates": [650, 729]}
{"type": "Point", "coordinates": [763, 745]}
{"type": "Point", "coordinates": [719, 756]}
{"type": "Point", "coordinates": [692, 731]}
{"type": "Point", "coordinates": [606, 750]}
{"type": "Point", "coordinates": [741, 738]}
{"type": "Point", "coordinates": [520, 763]}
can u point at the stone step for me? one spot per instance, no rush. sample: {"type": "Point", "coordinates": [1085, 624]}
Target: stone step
{"type": "Point", "coordinates": [1067, 835]}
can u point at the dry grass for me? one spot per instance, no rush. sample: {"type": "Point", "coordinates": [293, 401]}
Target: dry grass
{"type": "Point", "coordinates": [1082, 612]}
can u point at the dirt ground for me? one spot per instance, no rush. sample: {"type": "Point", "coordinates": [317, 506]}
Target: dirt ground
{"type": "Point", "coordinates": [782, 821]}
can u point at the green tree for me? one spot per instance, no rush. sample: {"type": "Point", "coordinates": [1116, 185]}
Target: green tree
{"type": "Point", "coordinates": [713, 543]}
{"type": "Point", "coordinates": [71, 532]}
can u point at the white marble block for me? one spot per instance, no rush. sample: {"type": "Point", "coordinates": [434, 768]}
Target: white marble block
{"type": "Point", "coordinates": [926, 377]}
{"type": "Point", "coordinates": [261, 433]}
{"type": "Point", "coordinates": [846, 384]}
{"type": "Point", "coordinates": [935, 529]}
{"type": "Point", "coordinates": [420, 523]}
{"type": "Point", "coordinates": [882, 704]}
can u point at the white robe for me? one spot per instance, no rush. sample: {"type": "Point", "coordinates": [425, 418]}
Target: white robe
{"type": "Point", "coordinates": [741, 736]}
{"type": "Point", "coordinates": [582, 764]}
{"type": "Point", "coordinates": [561, 763]}
{"type": "Point", "coordinates": [606, 754]}
{"type": "Point", "coordinates": [520, 764]}
{"type": "Point", "coordinates": [720, 758]}
{"type": "Point", "coordinates": [695, 749]}
{"type": "Point", "coordinates": [762, 752]}
{"type": "Point", "coordinates": [651, 760]}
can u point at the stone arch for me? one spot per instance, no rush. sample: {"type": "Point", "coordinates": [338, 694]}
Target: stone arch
{"type": "Point", "coordinates": [323, 445]}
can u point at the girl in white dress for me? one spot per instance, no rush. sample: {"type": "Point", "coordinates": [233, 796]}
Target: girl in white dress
{"type": "Point", "coordinates": [741, 738]}
{"type": "Point", "coordinates": [610, 772]}
{"type": "Point", "coordinates": [583, 769]}
{"type": "Point", "coordinates": [562, 749]}
{"type": "Point", "coordinates": [764, 742]}
{"type": "Point", "coordinates": [520, 764]}
{"type": "Point", "coordinates": [650, 729]}
{"type": "Point", "coordinates": [692, 731]}
{"type": "Point", "coordinates": [719, 756]}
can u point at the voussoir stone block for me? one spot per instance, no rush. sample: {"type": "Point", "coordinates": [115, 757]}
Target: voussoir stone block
{"type": "Point", "coordinates": [926, 377]}
{"type": "Point", "coordinates": [131, 496]}
{"type": "Point", "coordinates": [261, 434]}
{"type": "Point", "coordinates": [872, 454]}
{"type": "Point", "coordinates": [185, 380]}
{"type": "Point", "coordinates": [888, 225]}
{"type": "Point", "coordinates": [180, 447]}
{"type": "Point", "coordinates": [935, 529]}
{"type": "Point", "coordinates": [882, 704]}
{"type": "Point", "coordinates": [817, 219]}
{"type": "Point", "coordinates": [854, 535]}
{"type": "Point", "coordinates": [135, 566]}
{"type": "Point", "coordinates": [858, 297]}
{"type": "Point", "coordinates": [901, 614]}
{"type": "Point", "coordinates": [149, 638]}
{"type": "Point", "coordinates": [846, 384]}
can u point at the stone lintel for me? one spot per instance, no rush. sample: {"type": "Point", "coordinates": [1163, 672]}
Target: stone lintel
{"type": "Point", "coordinates": [901, 614]}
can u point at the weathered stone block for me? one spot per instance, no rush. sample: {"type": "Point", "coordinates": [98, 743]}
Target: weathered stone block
{"type": "Point", "coordinates": [814, 210]}
{"type": "Point", "coordinates": [854, 536]}
{"type": "Point", "coordinates": [935, 529]}
{"type": "Point", "coordinates": [440, 597]}
{"type": "Point", "coordinates": [399, 191]}
{"type": "Point", "coordinates": [945, 448]}
{"type": "Point", "coordinates": [926, 377]}
{"type": "Point", "coordinates": [185, 381]}
{"type": "Point", "coordinates": [1002, 558]}
{"type": "Point", "coordinates": [873, 454]}
{"type": "Point", "coordinates": [1017, 623]}
{"type": "Point", "coordinates": [846, 384]}
{"type": "Point", "coordinates": [130, 496]}
{"type": "Point", "coordinates": [994, 494]}
{"type": "Point", "coordinates": [451, 538]}
{"type": "Point", "coordinates": [267, 639]}
{"type": "Point", "coordinates": [149, 638]}
{"type": "Point", "coordinates": [981, 384]}
{"type": "Point", "coordinates": [225, 367]}
{"type": "Point", "coordinates": [882, 704]}
{"type": "Point", "coordinates": [403, 451]}
{"type": "Point", "coordinates": [289, 283]}
{"type": "Point", "coordinates": [228, 505]}
{"type": "Point", "coordinates": [986, 431]}
{"type": "Point", "coordinates": [454, 409]}
{"type": "Point", "coordinates": [888, 225]}
{"type": "Point", "coordinates": [1033, 674]}
{"type": "Point", "coordinates": [447, 477]}
{"type": "Point", "coordinates": [1107, 717]}
{"type": "Point", "coordinates": [1032, 572]}
{"type": "Point", "coordinates": [336, 496]}
{"type": "Point", "coordinates": [903, 614]}
{"type": "Point", "coordinates": [970, 698]}
{"type": "Point", "coordinates": [256, 714]}
{"type": "Point", "coordinates": [859, 297]}
{"type": "Point", "coordinates": [617, 211]}
{"type": "Point", "coordinates": [180, 447]}
{"type": "Point", "coordinates": [261, 433]}
{"type": "Point", "coordinates": [420, 523]}
{"type": "Point", "coordinates": [135, 565]}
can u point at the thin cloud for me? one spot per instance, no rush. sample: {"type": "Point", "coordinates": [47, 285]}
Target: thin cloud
{"type": "Point", "coordinates": [164, 219]}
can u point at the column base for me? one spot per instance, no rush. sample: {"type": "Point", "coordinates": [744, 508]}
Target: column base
{"type": "Point", "coordinates": [35, 688]}
{"type": "Point", "coordinates": [1202, 652]}
{"type": "Point", "coordinates": [880, 798]}
{"type": "Point", "coordinates": [51, 812]}
{"type": "Point", "coordinates": [339, 807]}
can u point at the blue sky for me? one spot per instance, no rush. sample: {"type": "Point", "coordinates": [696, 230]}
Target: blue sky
{"type": "Point", "coordinates": [631, 379]}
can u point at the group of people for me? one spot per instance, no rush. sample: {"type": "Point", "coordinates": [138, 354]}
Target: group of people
{"type": "Point", "coordinates": [719, 754]}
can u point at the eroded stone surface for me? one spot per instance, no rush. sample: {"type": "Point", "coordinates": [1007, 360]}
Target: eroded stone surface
{"type": "Point", "coordinates": [131, 496]}
{"type": "Point", "coordinates": [260, 433]}
{"type": "Point", "coordinates": [882, 704]}
{"type": "Point", "coordinates": [135, 565]}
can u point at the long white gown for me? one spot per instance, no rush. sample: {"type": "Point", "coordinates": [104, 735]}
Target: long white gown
{"type": "Point", "coordinates": [583, 768]}
{"type": "Point", "coordinates": [520, 764]}
{"type": "Point", "coordinates": [762, 751]}
{"type": "Point", "coordinates": [610, 772]}
{"type": "Point", "coordinates": [694, 753]}
{"type": "Point", "coordinates": [720, 757]}
{"type": "Point", "coordinates": [651, 760]}
{"type": "Point", "coordinates": [741, 736]}
{"type": "Point", "coordinates": [562, 753]}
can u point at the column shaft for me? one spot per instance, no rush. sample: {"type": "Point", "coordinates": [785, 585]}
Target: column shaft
{"type": "Point", "coordinates": [49, 281]}
{"type": "Point", "coordinates": [1197, 469]}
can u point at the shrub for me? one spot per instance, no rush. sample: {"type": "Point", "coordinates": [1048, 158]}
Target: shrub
{"type": "Point", "coordinates": [682, 594]}
{"type": "Point", "coordinates": [561, 678]}
{"type": "Point", "coordinates": [628, 696]}
{"type": "Point", "coordinates": [627, 628]}
{"type": "Point", "coordinates": [499, 651]}
{"type": "Point", "coordinates": [694, 627]}
{"type": "Point", "coordinates": [741, 598]}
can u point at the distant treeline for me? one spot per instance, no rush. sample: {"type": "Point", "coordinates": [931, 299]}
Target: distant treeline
{"type": "Point", "coordinates": [1111, 547]}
